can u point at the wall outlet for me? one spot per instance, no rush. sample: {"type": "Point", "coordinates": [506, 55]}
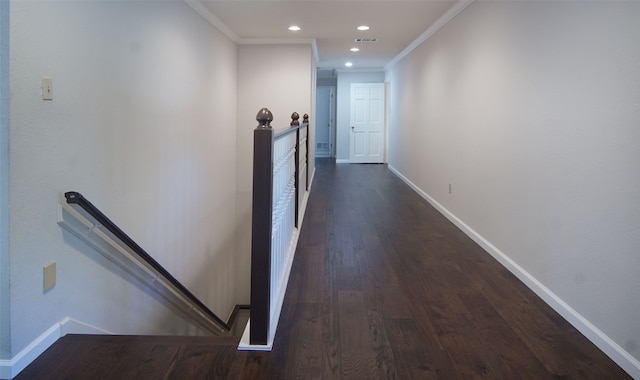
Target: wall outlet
{"type": "Point", "coordinates": [49, 276]}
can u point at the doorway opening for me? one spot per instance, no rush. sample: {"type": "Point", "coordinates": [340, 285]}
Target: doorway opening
{"type": "Point", "coordinates": [325, 136]}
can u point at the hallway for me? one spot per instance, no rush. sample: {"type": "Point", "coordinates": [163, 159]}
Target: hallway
{"type": "Point", "coordinates": [382, 287]}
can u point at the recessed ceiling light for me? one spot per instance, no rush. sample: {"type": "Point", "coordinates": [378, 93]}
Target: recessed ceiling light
{"type": "Point", "coordinates": [294, 28]}
{"type": "Point", "coordinates": [363, 27]}
{"type": "Point", "coordinates": [348, 64]}
{"type": "Point", "coordinates": [354, 49]}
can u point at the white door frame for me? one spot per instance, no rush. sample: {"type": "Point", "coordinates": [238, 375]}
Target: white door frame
{"type": "Point", "coordinates": [367, 134]}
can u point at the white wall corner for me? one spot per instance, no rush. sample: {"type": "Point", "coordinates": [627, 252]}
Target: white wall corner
{"type": "Point", "coordinates": [5, 294]}
{"type": "Point", "coordinates": [624, 359]}
{"type": "Point", "coordinates": [314, 48]}
{"type": "Point", "coordinates": [455, 9]}
{"type": "Point", "coordinates": [203, 11]}
{"type": "Point", "coordinates": [11, 368]}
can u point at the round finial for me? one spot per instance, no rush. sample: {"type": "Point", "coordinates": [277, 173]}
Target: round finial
{"type": "Point", "coordinates": [264, 118]}
{"type": "Point", "coordinates": [305, 119]}
{"type": "Point", "coordinates": [294, 119]}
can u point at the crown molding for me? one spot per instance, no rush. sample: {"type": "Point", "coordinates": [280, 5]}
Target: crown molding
{"type": "Point", "coordinates": [284, 41]}
{"type": "Point", "coordinates": [360, 70]}
{"type": "Point", "coordinates": [203, 11]}
{"type": "Point", "coordinates": [455, 9]}
{"type": "Point", "coordinates": [276, 41]}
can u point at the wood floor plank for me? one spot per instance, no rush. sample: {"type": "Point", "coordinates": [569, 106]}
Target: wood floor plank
{"type": "Point", "coordinates": [384, 357]}
{"type": "Point", "coordinates": [345, 269]}
{"type": "Point", "coordinates": [201, 362]}
{"type": "Point", "coordinates": [307, 354]}
{"type": "Point", "coordinates": [353, 324]}
{"type": "Point", "coordinates": [382, 287]}
{"type": "Point", "coordinates": [417, 359]}
{"type": "Point", "coordinates": [312, 275]}
{"type": "Point", "coordinates": [358, 367]}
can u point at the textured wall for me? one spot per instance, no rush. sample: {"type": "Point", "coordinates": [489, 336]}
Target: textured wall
{"type": "Point", "coordinates": [530, 110]}
{"type": "Point", "coordinates": [142, 122]}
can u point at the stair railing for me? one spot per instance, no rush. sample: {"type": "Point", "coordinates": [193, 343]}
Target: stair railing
{"type": "Point", "coordinates": [280, 182]}
{"type": "Point", "coordinates": [87, 222]}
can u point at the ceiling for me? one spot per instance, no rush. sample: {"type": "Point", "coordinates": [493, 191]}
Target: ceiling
{"type": "Point", "coordinates": [332, 23]}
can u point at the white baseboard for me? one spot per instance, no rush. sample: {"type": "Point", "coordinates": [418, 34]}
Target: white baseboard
{"type": "Point", "coordinates": [342, 161]}
{"type": "Point", "coordinates": [624, 359]}
{"type": "Point", "coordinates": [73, 326]}
{"type": "Point", "coordinates": [311, 177]}
{"type": "Point", "coordinates": [11, 368]}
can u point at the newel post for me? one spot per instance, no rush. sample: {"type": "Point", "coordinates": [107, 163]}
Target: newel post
{"type": "Point", "coordinates": [296, 123]}
{"type": "Point", "coordinates": [305, 120]}
{"type": "Point", "coordinates": [261, 228]}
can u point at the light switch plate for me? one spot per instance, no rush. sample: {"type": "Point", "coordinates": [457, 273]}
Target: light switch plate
{"type": "Point", "coordinates": [47, 88]}
{"type": "Point", "coordinates": [49, 276]}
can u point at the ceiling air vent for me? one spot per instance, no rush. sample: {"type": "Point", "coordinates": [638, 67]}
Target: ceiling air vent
{"type": "Point", "coordinates": [366, 40]}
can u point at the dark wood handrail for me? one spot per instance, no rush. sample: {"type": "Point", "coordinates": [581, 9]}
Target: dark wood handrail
{"type": "Point", "coordinates": [76, 198]}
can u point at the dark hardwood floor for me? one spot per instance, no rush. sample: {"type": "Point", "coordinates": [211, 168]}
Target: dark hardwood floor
{"type": "Point", "coordinates": [382, 287]}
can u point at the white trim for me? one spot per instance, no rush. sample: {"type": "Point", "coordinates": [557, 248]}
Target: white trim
{"type": "Point", "coordinates": [212, 19]}
{"type": "Point", "coordinates": [313, 174]}
{"type": "Point", "coordinates": [276, 41]}
{"type": "Point", "coordinates": [203, 11]}
{"type": "Point", "coordinates": [245, 341]}
{"type": "Point", "coordinates": [455, 9]}
{"type": "Point", "coordinates": [11, 368]}
{"type": "Point", "coordinates": [624, 359]}
{"type": "Point", "coordinates": [342, 161]}
{"type": "Point", "coordinates": [74, 326]}
{"type": "Point", "coordinates": [360, 70]}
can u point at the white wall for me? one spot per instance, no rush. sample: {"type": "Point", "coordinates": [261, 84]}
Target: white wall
{"type": "Point", "coordinates": [343, 108]}
{"type": "Point", "coordinates": [281, 78]}
{"type": "Point", "coordinates": [143, 123]}
{"type": "Point", "coordinates": [530, 110]}
{"type": "Point", "coordinates": [5, 328]}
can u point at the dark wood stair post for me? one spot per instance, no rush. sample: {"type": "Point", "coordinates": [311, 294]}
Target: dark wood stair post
{"type": "Point", "coordinates": [261, 227]}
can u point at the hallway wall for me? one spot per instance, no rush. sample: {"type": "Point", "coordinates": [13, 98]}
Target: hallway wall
{"type": "Point", "coordinates": [530, 111]}
{"type": "Point", "coordinates": [5, 330]}
{"type": "Point", "coordinates": [280, 77]}
{"type": "Point", "coordinates": [143, 123]}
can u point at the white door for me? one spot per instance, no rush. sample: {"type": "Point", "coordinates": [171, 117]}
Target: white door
{"type": "Point", "coordinates": [324, 121]}
{"type": "Point", "coordinates": [367, 123]}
